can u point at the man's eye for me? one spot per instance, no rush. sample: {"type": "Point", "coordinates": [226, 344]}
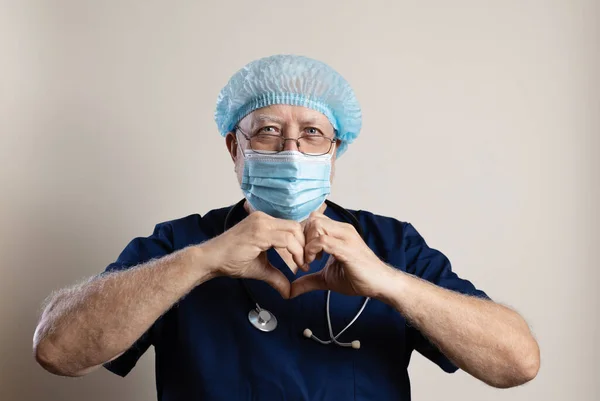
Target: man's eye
{"type": "Point", "coordinates": [269, 130]}
{"type": "Point", "coordinates": [312, 131]}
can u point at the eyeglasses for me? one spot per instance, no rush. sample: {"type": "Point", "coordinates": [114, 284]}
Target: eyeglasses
{"type": "Point", "coordinates": [310, 145]}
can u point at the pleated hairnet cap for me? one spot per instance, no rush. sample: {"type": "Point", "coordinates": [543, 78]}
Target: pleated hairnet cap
{"type": "Point", "coordinates": [293, 80]}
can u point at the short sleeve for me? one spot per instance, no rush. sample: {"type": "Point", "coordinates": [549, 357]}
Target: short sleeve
{"type": "Point", "coordinates": [433, 266]}
{"type": "Point", "coordinates": [139, 251]}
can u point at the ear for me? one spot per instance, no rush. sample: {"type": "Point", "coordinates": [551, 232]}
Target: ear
{"type": "Point", "coordinates": [232, 145]}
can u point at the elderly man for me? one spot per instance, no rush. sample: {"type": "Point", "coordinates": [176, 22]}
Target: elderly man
{"type": "Point", "coordinates": [284, 295]}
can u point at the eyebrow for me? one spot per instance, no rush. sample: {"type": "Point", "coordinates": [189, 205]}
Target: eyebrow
{"type": "Point", "coordinates": [258, 118]}
{"type": "Point", "coordinates": [310, 120]}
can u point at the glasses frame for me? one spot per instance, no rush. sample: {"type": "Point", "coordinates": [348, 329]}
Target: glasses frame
{"type": "Point", "coordinates": [283, 140]}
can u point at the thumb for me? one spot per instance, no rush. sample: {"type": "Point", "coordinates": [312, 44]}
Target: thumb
{"type": "Point", "coordinates": [310, 282]}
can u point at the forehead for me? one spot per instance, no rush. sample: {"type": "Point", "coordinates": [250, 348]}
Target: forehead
{"type": "Point", "coordinates": [285, 114]}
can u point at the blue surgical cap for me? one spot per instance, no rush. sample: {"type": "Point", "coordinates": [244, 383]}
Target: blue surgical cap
{"type": "Point", "coordinates": [293, 80]}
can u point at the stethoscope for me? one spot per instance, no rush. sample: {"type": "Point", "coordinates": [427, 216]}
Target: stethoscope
{"type": "Point", "coordinates": [266, 321]}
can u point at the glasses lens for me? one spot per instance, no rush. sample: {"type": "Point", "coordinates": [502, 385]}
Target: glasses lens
{"type": "Point", "coordinates": [314, 145]}
{"type": "Point", "coordinates": [266, 143]}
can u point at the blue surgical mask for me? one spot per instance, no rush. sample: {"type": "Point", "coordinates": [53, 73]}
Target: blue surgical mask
{"type": "Point", "coordinates": [287, 185]}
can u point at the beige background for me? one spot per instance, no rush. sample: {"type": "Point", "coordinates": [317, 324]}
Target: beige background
{"type": "Point", "coordinates": [481, 126]}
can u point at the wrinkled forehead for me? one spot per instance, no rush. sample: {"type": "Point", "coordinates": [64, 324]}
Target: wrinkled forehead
{"type": "Point", "coordinates": [283, 115]}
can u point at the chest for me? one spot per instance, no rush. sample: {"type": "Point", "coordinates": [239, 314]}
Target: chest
{"type": "Point", "coordinates": [206, 348]}
{"type": "Point", "coordinates": [208, 337]}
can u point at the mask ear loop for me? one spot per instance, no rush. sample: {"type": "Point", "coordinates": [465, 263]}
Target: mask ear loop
{"type": "Point", "coordinates": [333, 146]}
{"type": "Point", "coordinates": [235, 129]}
{"type": "Point", "coordinates": [251, 208]}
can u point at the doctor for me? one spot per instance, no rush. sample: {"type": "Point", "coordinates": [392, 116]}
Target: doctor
{"type": "Point", "coordinates": [284, 295]}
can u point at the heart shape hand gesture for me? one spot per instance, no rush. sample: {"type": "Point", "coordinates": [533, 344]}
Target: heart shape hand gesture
{"type": "Point", "coordinates": [352, 269]}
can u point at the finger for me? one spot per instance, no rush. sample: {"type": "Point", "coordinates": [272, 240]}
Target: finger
{"type": "Point", "coordinates": [290, 226]}
{"type": "Point", "coordinates": [296, 230]}
{"type": "Point", "coordinates": [314, 229]}
{"type": "Point", "coordinates": [325, 243]}
{"type": "Point", "coordinates": [310, 282]}
{"type": "Point", "coordinates": [305, 267]}
{"type": "Point", "coordinates": [319, 224]}
{"type": "Point", "coordinates": [313, 248]}
{"type": "Point", "coordinates": [287, 240]}
{"type": "Point", "coordinates": [263, 224]}
{"type": "Point", "coordinates": [275, 278]}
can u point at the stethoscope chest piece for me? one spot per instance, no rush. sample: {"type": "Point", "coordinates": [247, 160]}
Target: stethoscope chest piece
{"type": "Point", "coordinates": [262, 319]}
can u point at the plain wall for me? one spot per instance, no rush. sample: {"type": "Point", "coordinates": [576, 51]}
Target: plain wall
{"type": "Point", "coordinates": [481, 127]}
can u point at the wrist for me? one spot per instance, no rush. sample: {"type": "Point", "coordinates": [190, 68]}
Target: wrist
{"type": "Point", "coordinates": [203, 267]}
{"type": "Point", "coordinates": [392, 284]}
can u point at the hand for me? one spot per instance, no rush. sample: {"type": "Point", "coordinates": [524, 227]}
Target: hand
{"type": "Point", "coordinates": [352, 269]}
{"type": "Point", "coordinates": [241, 251]}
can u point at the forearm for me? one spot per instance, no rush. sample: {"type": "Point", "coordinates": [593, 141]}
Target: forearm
{"type": "Point", "coordinates": [488, 340]}
{"type": "Point", "coordinates": [91, 323]}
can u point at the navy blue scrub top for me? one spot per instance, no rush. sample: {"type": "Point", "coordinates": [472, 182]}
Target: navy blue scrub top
{"type": "Point", "coordinates": [207, 350]}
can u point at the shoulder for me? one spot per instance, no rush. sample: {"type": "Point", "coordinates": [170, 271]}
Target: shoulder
{"type": "Point", "coordinates": [388, 225]}
{"type": "Point", "coordinates": [390, 237]}
{"type": "Point", "coordinates": [384, 229]}
{"type": "Point", "coordinates": [170, 236]}
{"type": "Point", "coordinates": [377, 220]}
{"type": "Point", "coordinates": [193, 228]}
{"type": "Point", "coordinates": [397, 242]}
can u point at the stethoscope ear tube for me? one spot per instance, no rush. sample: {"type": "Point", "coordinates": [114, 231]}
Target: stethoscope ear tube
{"type": "Point", "coordinates": [334, 338]}
{"type": "Point", "coordinates": [309, 334]}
